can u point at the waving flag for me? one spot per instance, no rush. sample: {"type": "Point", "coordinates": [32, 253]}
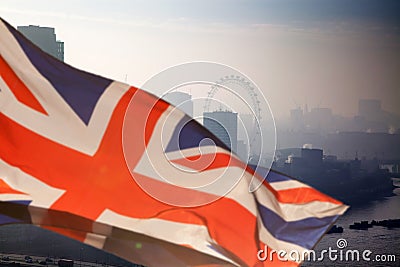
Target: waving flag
{"type": "Point", "coordinates": [63, 168]}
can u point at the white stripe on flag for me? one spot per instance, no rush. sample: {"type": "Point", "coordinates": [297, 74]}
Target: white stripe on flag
{"type": "Point", "coordinates": [287, 185]}
{"type": "Point", "coordinates": [178, 233]}
{"type": "Point", "coordinates": [14, 197]}
{"type": "Point", "coordinates": [42, 194]}
{"type": "Point", "coordinates": [95, 240]}
{"type": "Point", "coordinates": [294, 212]}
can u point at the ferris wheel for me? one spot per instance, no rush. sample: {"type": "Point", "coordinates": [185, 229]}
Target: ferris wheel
{"type": "Point", "coordinates": [248, 87]}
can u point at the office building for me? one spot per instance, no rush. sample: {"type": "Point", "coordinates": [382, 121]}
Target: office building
{"type": "Point", "coordinates": [45, 38]}
{"type": "Point", "coordinates": [242, 150]}
{"type": "Point", "coordinates": [224, 125]}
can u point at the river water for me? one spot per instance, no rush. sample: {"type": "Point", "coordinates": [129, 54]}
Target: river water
{"type": "Point", "coordinates": [379, 240]}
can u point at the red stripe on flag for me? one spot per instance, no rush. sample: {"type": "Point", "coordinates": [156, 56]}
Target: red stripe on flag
{"type": "Point", "coordinates": [6, 189]}
{"type": "Point", "coordinates": [300, 195]}
{"type": "Point", "coordinates": [303, 195]}
{"type": "Point", "coordinates": [18, 88]}
{"type": "Point", "coordinates": [141, 117]}
{"type": "Point", "coordinates": [99, 182]}
{"type": "Point", "coordinates": [211, 161]}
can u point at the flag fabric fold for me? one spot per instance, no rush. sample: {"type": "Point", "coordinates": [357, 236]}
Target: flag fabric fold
{"type": "Point", "coordinates": [62, 167]}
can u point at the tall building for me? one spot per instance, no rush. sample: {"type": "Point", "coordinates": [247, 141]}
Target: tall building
{"type": "Point", "coordinates": [45, 38]}
{"type": "Point", "coordinates": [181, 100]}
{"type": "Point", "coordinates": [224, 125]}
{"type": "Point", "coordinates": [242, 150]}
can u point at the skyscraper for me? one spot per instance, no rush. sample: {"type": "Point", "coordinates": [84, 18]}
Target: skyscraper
{"type": "Point", "coordinates": [45, 38]}
{"type": "Point", "coordinates": [242, 150]}
{"type": "Point", "coordinates": [224, 125]}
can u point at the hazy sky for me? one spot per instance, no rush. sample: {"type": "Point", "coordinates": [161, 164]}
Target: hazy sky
{"type": "Point", "coordinates": [326, 53]}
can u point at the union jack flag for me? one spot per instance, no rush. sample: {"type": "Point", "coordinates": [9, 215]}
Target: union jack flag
{"type": "Point", "coordinates": [63, 168]}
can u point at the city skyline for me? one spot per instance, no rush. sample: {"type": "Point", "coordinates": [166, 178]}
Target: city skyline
{"type": "Point", "coordinates": [80, 150]}
{"type": "Point", "coordinates": [327, 55]}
